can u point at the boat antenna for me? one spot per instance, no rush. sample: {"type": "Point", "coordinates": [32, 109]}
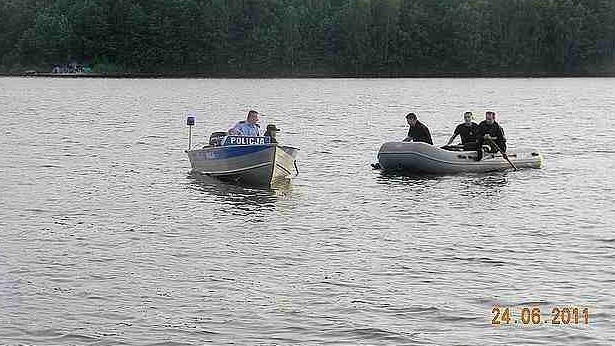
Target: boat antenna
{"type": "Point", "coordinates": [190, 122]}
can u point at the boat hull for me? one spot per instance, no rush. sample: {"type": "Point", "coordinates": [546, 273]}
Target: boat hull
{"type": "Point", "coordinates": [258, 165]}
{"type": "Point", "coordinates": [416, 157]}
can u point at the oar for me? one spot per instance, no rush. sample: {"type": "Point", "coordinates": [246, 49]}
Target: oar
{"type": "Point", "coordinates": [490, 140]}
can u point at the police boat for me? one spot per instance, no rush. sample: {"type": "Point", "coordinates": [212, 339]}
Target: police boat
{"type": "Point", "coordinates": [418, 157]}
{"type": "Point", "coordinates": [255, 161]}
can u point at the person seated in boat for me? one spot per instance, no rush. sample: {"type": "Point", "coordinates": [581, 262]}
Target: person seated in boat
{"type": "Point", "coordinates": [491, 133]}
{"type": "Point", "coordinates": [467, 130]}
{"type": "Point", "coordinates": [418, 132]}
{"type": "Point", "coordinates": [248, 127]}
{"type": "Point", "coordinates": [271, 132]}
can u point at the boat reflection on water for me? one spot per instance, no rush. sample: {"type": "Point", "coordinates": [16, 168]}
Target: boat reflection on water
{"type": "Point", "coordinates": [483, 186]}
{"type": "Point", "coordinates": [385, 177]}
{"type": "Point", "coordinates": [468, 186]}
{"type": "Point", "coordinates": [495, 180]}
{"type": "Point", "coordinates": [396, 177]}
{"type": "Point", "coordinates": [244, 197]}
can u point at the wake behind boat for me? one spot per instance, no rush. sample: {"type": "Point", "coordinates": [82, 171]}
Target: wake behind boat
{"type": "Point", "coordinates": [418, 157]}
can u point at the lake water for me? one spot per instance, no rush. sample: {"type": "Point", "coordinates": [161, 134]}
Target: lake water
{"type": "Point", "coordinates": [108, 240]}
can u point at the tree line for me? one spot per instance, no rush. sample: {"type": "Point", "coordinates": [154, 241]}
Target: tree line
{"type": "Point", "coordinates": [299, 37]}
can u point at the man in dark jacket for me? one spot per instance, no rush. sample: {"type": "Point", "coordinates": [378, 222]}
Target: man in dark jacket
{"type": "Point", "coordinates": [417, 132]}
{"type": "Point", "coordinates": [490, 131]}
{"type": "Point", "coordinates": [467, 130]}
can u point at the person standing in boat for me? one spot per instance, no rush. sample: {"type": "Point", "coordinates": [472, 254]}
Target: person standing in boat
{"type": "Point", "coordinates": [248, 127]}
{"type": "Point", "coordinates": [467, 130]}
{"type": "Point", "coordinates": [418, 132]}
{"type": "Point", "coordinates": [490, 131]}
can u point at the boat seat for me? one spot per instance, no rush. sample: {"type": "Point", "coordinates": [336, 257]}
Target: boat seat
{"type": "Point", "coordinates": [456, 147]}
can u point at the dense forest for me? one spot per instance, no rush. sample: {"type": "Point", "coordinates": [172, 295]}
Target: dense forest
{"type": "Point", "coordinates": [303, 37]}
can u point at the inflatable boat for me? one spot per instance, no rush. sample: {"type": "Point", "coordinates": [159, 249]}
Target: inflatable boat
{"type": "Point", "coordinates": [418, 157]}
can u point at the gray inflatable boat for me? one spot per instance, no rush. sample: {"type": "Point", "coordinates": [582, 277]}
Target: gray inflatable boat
{"type": "Point", "coordinates": [418, 157]}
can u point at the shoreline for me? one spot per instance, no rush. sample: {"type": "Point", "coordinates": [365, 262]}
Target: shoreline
{"type": "Point", "coordinates": [182, 75]}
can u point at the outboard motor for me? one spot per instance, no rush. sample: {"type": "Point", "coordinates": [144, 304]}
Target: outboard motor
{"type": "Point", "coordinates": [216, 138]}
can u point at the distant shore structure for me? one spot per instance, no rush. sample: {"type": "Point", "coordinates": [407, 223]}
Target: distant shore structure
{"type": "Point", "coordinates": [72, 66]}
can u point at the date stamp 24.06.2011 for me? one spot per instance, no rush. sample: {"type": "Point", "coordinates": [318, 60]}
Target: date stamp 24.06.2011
{"type": "Point", "coordinates": [534, 315]}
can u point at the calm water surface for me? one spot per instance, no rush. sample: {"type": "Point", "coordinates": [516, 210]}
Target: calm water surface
{"type": "Point", "coordinates": [108, 240]}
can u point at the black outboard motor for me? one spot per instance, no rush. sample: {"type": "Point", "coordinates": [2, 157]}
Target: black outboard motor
{"type": "Point", "coordinates": [216, 138]}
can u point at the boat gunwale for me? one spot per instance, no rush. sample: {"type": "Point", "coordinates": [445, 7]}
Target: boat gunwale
{"type": "Point", "coordinates": [471, 163]}
{"type": "Point", "coordinates": [208, 147]}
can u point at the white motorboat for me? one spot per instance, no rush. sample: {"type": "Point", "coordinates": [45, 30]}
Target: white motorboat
{"type": "Point", "coordinates": [246, 160]}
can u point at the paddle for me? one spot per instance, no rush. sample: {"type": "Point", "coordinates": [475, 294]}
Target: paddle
{"type": "Point", "coordinates": [492, 142]}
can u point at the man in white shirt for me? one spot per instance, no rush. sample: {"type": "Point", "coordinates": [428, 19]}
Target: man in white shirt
{"type": "Point", "coordinates": [248, 127]}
